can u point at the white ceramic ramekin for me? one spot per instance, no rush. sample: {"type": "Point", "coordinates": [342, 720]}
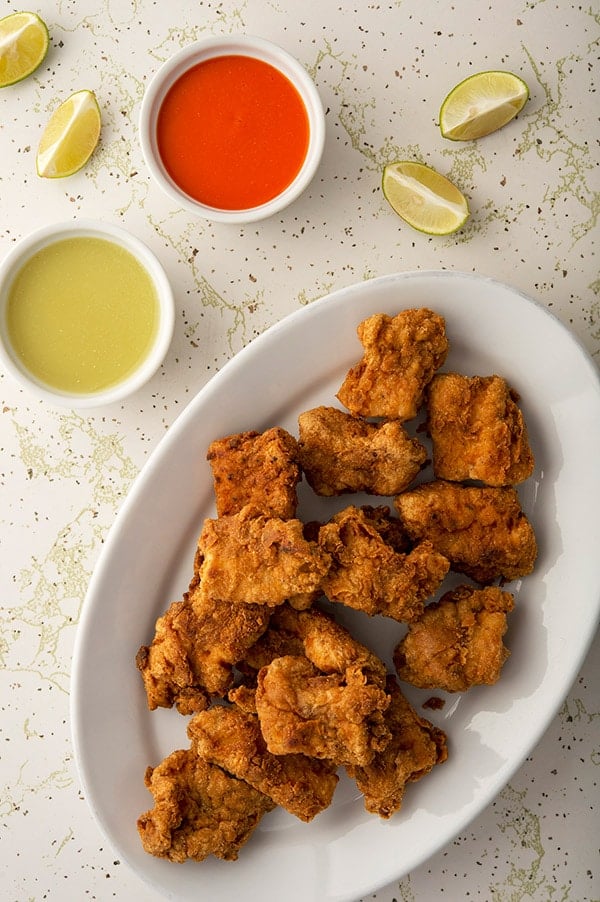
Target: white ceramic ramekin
{"type": "Point", "coordinates": [26, 248]}
{"type": "Point", "coordinates": [242, 45]}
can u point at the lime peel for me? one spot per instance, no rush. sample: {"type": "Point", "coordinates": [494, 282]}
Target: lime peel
{"type": "Point", "coordinates": [482, 104]}
{"type": "Point", "coordinates": [70, 136]}
{"type": "Point", "coordinates": [24, 42]}
{"type": "Point", "coordinates": [423, 198]}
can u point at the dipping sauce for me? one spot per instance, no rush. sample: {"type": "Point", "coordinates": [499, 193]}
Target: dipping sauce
{"type": "Point", "coordinates": [233, 132]}
{"type": "Point", "coordinates": [82, 314]}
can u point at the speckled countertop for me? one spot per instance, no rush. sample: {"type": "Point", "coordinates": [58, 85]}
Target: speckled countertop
{"type": "Point", "coordinates": [382, 70]}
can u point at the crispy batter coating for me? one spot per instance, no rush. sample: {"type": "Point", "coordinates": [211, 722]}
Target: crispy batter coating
{"type": "Point", "coordinates": [481, 530]}
{"type": "Point", "coordinates": [477, 430]}
{"type": "Point", "coordinates": [199, 810]}
{"type": "Point", "coordinates": [338, 716]}
{"type": "Point", "coordinates": [457, 643]}
{"type": "Point", "coordinates": [251, 558]}
{"type": "Point", "coordinates": [317, 636]}
{"type": "Point", "coordinates": [196, 643]}
{"type": "Point", "coordinates": [243, 697]}
{"type": "Point", "coordinates": [401, 355]}
{"type": "Point", "coordinates": [276, 642]}
{"type": "Point", "coordinates": [231, 738]}
{"type": "Point", "coordinates": [299, 707]}
{"type": "Point", "coordinates": [368, 575]}
{"type": "Point", "coordinates": [389, 528]}
{"type": "Point", "coordinates": [342, 453]}
{"type": "Point", "coordinates": [256, 468]}
{"type": "Point", "coordinates": [415, 748]}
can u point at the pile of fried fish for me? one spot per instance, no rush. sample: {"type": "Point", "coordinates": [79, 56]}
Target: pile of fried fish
{"type": "Point", "coordinates": [280, 695]}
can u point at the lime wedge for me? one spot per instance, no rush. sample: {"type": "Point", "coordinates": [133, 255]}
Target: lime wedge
{"type": "Point", "coordinates": [70, 136]}
{"type": "Point", "coordinates": [23, 46]}
{"type": "Point", "coordinates": [423, 198]}
{"type": "Point", "coordinates": [481, 104]}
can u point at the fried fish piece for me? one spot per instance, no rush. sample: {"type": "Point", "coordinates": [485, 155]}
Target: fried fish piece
{"type": "Point", "coordinates": [401, 355]}
{"type": "Point", "coordinates": [414, 750]}
{"type": "Point", "coordinates": [316, 635]}
{"type": "Point", "coordinates": [232, 738]}
{"type": "Point", "coordinates": [243, 697]}
{"type": "Point", "coordinates": [477, 430]}
{"type": "Point", "coordinates": [195, 645]}
{"type": "Point", "coordinates": [278, 640]}
{"type": "Point", "coordinates": [251, 558]}
{"type": "Point", "coordinates": [481, 530]}
{"type": "Point", "coordinates": [341, 453]}
{"type": "Point", "coordinates": [199, 810]}
{"type": "Point", "coordinates": [256, 468]}
{"type": "Point", "coordinates": [369, 575]}
{"type": "Point", "coordinates": [389, 527]}
{"type": "Point", "coordinates": [338, 715]}
{"type": "Point", "coordinates": [457, 642]}
{"type": "Point", "coordinates": [319, 691]}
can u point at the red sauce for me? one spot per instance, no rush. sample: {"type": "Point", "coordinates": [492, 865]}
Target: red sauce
{"type": "Point", "coordinates": [233, 132]}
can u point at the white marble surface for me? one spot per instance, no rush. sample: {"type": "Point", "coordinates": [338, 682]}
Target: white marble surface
{"type": "Point", "coordinates": [382, 71]}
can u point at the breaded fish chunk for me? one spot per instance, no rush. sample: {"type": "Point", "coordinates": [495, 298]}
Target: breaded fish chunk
{"type": "Point", "coordinates": [227, 736]}
{"type": "Point", "coordinates": [199, 810]}
{"type": "Point", "coordinates": [369, 575]}
{"type": "Point", "coordinates": [342, 453]}
{"type": "Point", "coordinates": [457, 642]}
{"type": "Point", "coordinates": [251, 558]}
{"type": "Point", "coordinates": [338, 716]}
{"type": "Point", "coordinates": [195, 645]}
{"type": "Point", "coordinates": [482, 530]}
{"type": "Point", "coordinates": [317, 636]}
{"type": "Point", "coordinates": [257, 468]}
{"type": "Point", "coordinates": [477, 430]}
{"type": "Point", "coordinates": [401, 355]}
{"type": "Point", "coordinates": [318, 688]}
{"type": "Point", "coordinates": [389, 528]}
{"type": "Point", "coordinates": [414, 750]}
{"type": "Point", "coordinates": [276, 642]}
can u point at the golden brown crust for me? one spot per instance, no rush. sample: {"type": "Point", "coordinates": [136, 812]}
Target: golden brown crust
{"type": "Point", "coordinates": [337, 715]}
{"type": "Point", "coordinates": [368, 575]}
{"type": "Point", "coordinates": [195, 645]}
{"type": "Point", "coordinates": [251, 558]}
{"type": "Point", "coordinates": [389, 528]}
{"type": "Point", "coordinates": [401, 355]}
{"type": "Point", "coordinates": [415, 748]}
{"type": "Point", "coordinates": [340, 453]}
{"type": "Point", "coordinates": [232, 738]}
{"type": "Point", "coordinates": [256, 468]}
{"type": "Point", "coordinates": [278, 640]}
{"type": "Point", "coordinates": [243, 697]}
{"type": "Point", "coordinates": [319, 691]}
{"type": "Point", "coordinates": [477, 430]}
{"type": "Point", "coordinates": [326, 643]}
{"type": "Point", "coordinates": [457, 643]}
{"type": "Point", "coordinates": [481, 530]}
{"type": "Point", "coordinates": [199, 810]}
